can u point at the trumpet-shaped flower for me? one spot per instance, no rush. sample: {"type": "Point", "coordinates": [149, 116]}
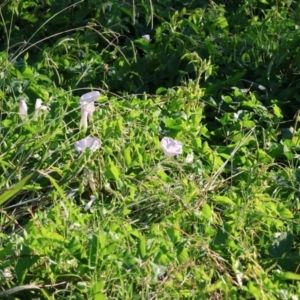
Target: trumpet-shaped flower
{"type": "Point", "coordinates": [84, 119]}
{"type": "Point", "coordinates": [171, 147]}
{"type": "Point", "coordinates": [39, 107]}
{"type": "Point", "coordinates": [87, 107]}
{"type": "Point", "coordinates": [89, 204]}
{"type": "Point", "coordinates": [23, 110]}
{"type": "Point", "coordinates": [88, 142]}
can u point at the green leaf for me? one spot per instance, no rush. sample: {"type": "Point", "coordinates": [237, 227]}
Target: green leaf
{"type": "Point", "coordinates": [154, 128]}
{"type": "Point", "coordinates": [142, 247]}
{"type": "Point", "coordinates": [290, 276]}
{"type": "Point", "coordinates": [182, 255]}
{"type": "Point", "coordinates": [277, 111]}
{"type": "Point", "coordinates": [169, 122]}
{"type": "Point", "coordinates": [197, 143]}
{"type": "Point", "coordinates": [222, 22]}
{"type": "Point", "coordinates": [161, 90]}
{"type": "Point", "coordinates": [38, 91]}
{"type": "Point", "coordinates": [27, 72]}
{"type": "Point", "coordinates": [285, 213]}
{"type": "Point", "coordinates": [57, 187]}
{"type": "Point", "coordinates": [223, 200]}
{"type": "Point", "coordinates": [14, 189]}
{"type": "Point", "coordinates": [112, 171]}
{"type": "Point", "coordinates": [127, 156]}
{"type": "Point", "coordinates": [26, 260]}
{"type": "Point", "coordinates": [197, 116]}
{"type": "Point", "coordinates": [173, 234]}
{"type": "Point", "coordinates": [163, 176]}
{"type": "Point", "coordinates": [119, 126]}
{"type": "Point", "coordinates": [139, 156]}
{"type": "Point", "coordinates": [264, 157]}
{"type": "Point", "coordinates": [97, 291]}
{"type": "Point", "coordinates": [206, 210]}
{"type": "Point", "coordinates": [254, 290]}
{"type": "Point", "coordinates": [227, 99]}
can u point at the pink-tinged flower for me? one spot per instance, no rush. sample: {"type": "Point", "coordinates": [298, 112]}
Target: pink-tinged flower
{"type": "Point", "coordinates": [23, 110]}
{"type": "Point", "coordinates": [88, 142]}
{"type": "Point", "coordinates": [87, 107]}
{"type": "Point", "coordinates": [171, 147]}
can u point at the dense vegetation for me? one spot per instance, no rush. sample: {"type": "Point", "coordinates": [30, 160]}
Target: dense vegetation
{"type": "Point", "coordinates": [121, 219]}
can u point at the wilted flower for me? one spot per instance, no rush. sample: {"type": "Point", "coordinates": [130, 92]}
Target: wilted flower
{"type": "Point", "coordinates": [189, 158]}
{"type": "Point", "coordinates": [171, 147]}
{"type": "Point", "coordinates": [88, 142]}
{"type": "Point", "coordinates": [39, 107]}
{"type": "Point", "coordinates": [91, 179]}
{"type": "Point", "coordinates": [23, 110]}
{"type": "Point", "coordinates": [87, 107]}
{"type": "Point", "coordinates": [89, 204]}
{"type": "Point", "coordinates": [146, 37]}
{"type": "Point", "coordinates": [6, 273]}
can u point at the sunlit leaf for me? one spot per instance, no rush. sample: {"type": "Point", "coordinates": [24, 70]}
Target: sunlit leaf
{"type": "Point", "coordinates": [14, 189]}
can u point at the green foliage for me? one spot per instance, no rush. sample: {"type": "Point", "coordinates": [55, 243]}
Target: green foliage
{"type": "Point", "coordinates": [219, 221]}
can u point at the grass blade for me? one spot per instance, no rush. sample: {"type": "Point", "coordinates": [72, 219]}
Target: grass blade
{"type": "Point", "coordinates": [14, 189]}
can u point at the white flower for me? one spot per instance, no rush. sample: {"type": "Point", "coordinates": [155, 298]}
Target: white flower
{"type": "Point", "coordinates": [84, 119]}
{"type": "Point", "coordinates": [87, 101]}
{"type": "Point", "coordinates": [88, 142]}
{"type": "Point", "coordinates": [87, 107]}
{"type": "Point", "coordinates": [39, 107]}
{"type": "Point", "coordinates": [171, 147]}
{"type": "Point", "coordinates": [89, 204]}
{"type": "Point", "coordinates": [189, 158]}
{"type": "Point", "coordinates": [146, 37]}
{"type": "Point", "coordinates": [23, 110]}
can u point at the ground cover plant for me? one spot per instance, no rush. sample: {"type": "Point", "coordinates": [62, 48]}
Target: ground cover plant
{"type": "Point", "coordinates": [149, 150]}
